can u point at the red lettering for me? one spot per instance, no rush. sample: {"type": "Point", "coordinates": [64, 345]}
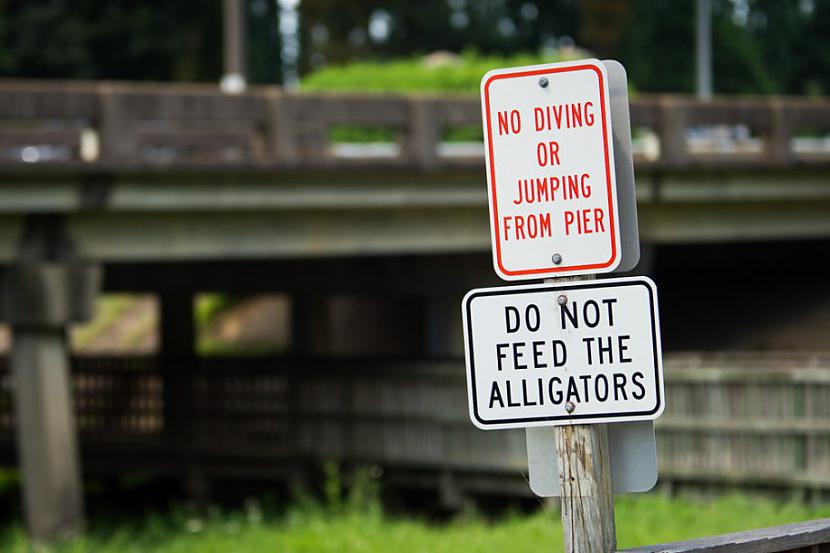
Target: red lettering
{"type": "Point", "coordinates": [584, 221]}
{"type": "Point", "coordinates": [527, 227]}
{"type": "Point", "coordinates": [509, 123]}
{"type": "Point", "coordinates": [547, 153]}
{"type": "Point", "coordinates": [599, 216]}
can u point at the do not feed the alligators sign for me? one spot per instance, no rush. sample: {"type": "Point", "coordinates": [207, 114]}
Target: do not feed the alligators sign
{"type": "Point", "coordinates": [576, 353]}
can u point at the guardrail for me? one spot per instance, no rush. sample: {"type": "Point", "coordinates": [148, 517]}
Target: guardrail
{"type": "Point", "coordinates": [106, 126]}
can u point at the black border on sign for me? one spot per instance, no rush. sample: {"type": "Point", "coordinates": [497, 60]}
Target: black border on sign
{"type": "Point", "coordinates": [597, 284]}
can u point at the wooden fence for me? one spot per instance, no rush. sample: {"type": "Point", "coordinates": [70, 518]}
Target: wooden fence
{"type": "Point", "coordinates": [757, 420]}
{"type": "Point", "coordinates": [106, 126]}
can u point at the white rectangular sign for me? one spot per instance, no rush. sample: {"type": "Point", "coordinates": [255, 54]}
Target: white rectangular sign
{"type": "Point", "coordinates": [558, 354]}
{"type": "Point", "coordinates": [550, 170]}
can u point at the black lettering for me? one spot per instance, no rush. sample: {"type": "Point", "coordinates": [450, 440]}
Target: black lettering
{"type": "Point", "coordinates": [595, 308]}
{"type": "Point", "coordinates": [572, 391]}
{"type": "Point", "coordinates": [537, 363]}
{"type": "Point", "coordinates": [585, 378]}
{"type": "Point", "coordinates": [560, 353]}
{"type": "Point", "coordinates": [619, 386]}
{"type": "Point", "coordinates": [624, 348]}
{"type": "Point", "coordinates": [508, 311]}
{"type": "Point", "coordinates": [499, 354]}
{"type": "Point", "coordinates": [510, 402]}
{"type": "Point", "coordinates": [555, 398]}
{"type": "Point", "coordinates": [516, 356]}
{"type": "Point", "coordinates": [605, 350]}
{"type": "Point", "coordinates": [571, 315]}
{"type": "Point", "coordinates": [495, 395]}
{"type": "Point", "coordinates": [541, 392]}
{"type": "Point", "coordinates": [601, 395]}
{"type": "Point", "coordinates": [532, 309]}
{"type": "Point", "coordinates": [609, 302]}
{"type": "Point", "coordinates": [526, 402]}
{"type": "Point", "coordinates": [635, 378]}
{"type": "Point", "coordinates": [588, 341]}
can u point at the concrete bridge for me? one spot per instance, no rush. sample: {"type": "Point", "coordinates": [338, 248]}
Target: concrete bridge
{"type": "Point", "coordinates": [181, 189]}
{"type": "Point", "coordinates": [169, 173]}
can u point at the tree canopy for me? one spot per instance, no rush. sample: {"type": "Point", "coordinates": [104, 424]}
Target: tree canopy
{"type": "Point", "coordinates": [760, 46]}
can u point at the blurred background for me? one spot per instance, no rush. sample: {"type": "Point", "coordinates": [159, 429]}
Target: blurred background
{"type": "Point", "coordinates": [235, 234]}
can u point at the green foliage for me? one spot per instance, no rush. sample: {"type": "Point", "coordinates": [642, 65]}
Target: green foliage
{"type": "Point", "coordinates": [208, 306]}
{"type": "Point", "coordinates": [350, 521]}
{"type": "Point", "coordinates": [108, 308]}
{"type": "Point", "coordinates": [456, 75]}
{"type": "Point", "coordinates": [494, 27]}
{"type": "Point", "coordinates": [361, 133]}
{"type": "Point", "coordinates": [462, 74]}
{"type": "Point", "coordinates": [161, 40]}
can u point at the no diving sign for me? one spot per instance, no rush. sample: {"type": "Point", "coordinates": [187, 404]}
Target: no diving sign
{"type": "Point", "coordinates": [550, 170]}
{"type": "Point", "coordinates": [576, 353]}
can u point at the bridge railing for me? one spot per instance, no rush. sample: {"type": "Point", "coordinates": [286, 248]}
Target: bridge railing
{"type": "Point", "coordinates": [754, 420]}
{"type": "Point", "coordinates": [47, 123]}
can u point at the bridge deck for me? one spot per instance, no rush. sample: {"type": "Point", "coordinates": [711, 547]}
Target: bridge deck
{"type": "Point", "coordinates": [173, 172]}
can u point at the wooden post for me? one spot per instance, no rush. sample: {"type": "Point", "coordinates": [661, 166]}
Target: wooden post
{"type": "Point", "coordinates": [585, 481]}
{"type": "Point", "coordinates": [587, 494]}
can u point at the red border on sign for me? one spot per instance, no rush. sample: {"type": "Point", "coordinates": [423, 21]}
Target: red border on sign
{"type": "Point", "coordinates": [494, 196]}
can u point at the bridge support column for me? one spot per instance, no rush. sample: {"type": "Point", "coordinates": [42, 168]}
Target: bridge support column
{"type": "Point", "coordinates": [310, 328]}
{"type": "Point", "coordinates": [444, 335]}
{"type": "Point", "coordinates": [178, 366]}
{"type": "Point", "coordinates": [39, 299]}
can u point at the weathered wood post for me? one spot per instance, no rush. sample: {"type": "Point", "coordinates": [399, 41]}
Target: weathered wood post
{"type": "Point", "coordinates": [585, 482]}
{"type": "Point", "coordinates": [40, 296]}
{"type": "Point", "coordinates": [587, 496]}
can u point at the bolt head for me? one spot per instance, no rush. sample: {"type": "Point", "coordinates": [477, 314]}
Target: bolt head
{"type": "Point", "coordinates": [556, 258]}
{"type": "Point", "coordinates": [569, 407]}
{"type": "Point", "coordinates": [543, 82]}
{"type": "Point", "coordinates": [562, 299]}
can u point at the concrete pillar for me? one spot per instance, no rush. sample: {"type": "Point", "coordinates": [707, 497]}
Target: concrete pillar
{"type": "Point", "coordinates": [38, 300]}
{"type": "Point", "coordinates": [310, 324]}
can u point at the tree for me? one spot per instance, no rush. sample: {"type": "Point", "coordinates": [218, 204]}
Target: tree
{"type": "Point", "coordinates": [161, 40]}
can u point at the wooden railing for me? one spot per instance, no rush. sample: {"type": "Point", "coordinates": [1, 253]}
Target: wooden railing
{"type": "Point", "coordinates": [107, 126]}
{"type": "Point", "coordinates": [802, 537]}
{"type": "Point", "coordinates": [757, 420]}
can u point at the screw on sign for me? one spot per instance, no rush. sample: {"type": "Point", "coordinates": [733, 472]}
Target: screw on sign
{"type": "Point", "coordinates": [550, 169]}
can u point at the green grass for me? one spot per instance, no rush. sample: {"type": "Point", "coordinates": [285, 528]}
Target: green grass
{"type": "Point", "coordinates": [108, 308]}
{"type": "Point", "coordinates": [343, 528]}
